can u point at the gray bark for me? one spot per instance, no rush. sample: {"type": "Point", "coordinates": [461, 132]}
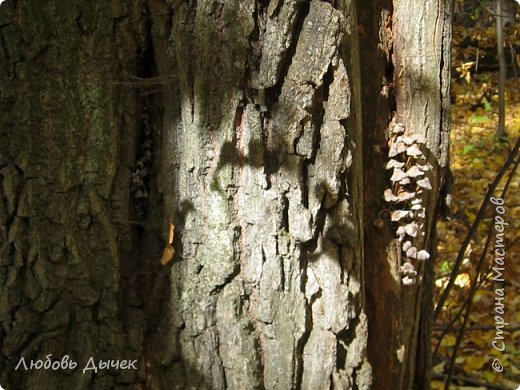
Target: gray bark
{"type": "Point", "coordinates": [269, 284]}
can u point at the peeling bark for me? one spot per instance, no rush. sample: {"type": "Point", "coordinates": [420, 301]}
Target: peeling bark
{"type": "Point", "coordinates": [267, 266]}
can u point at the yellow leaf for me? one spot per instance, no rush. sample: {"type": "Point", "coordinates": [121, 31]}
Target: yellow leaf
{"type": "Point", "coordinates": [439, 368]}
{"type": "Point", "coordinates": [474, 363]}
{"type": "Point", "coordinates": [442, 282]}
{"type": "Point", "coordinates": [478, 340]}
{"type": "Point", "coordinates": [449, 341]}
{"type": "Point", "coordinates": [462, 280]}
{"type": "Point", "coordinates": [436, 385]}
{"type": "Point", "coordinates": [490, 376]}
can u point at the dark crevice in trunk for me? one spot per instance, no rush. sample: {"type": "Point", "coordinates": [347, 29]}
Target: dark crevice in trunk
{"type": "Point", "coordinates": [282, 275]}
{"type": "Point", "coordinates": [145, 283]}
{"type": "Point", "coordinates": [260, 361]}
{"type": "Point", "coordinates": [318, 226]}
{"type": "Point", "coordinates": [141, 180]}
{"type": "Point", "coordinates": [328, 78]}
{"type": "Point", "coordinates": [343, 339]}
{"type": "Point", "coordinates": [317, 113]}
{"type": "Point", "coordinates": [321, 94]}
{"type": "Point", "coordinates": [236, 271]}
{"type": "Point", "coordinates": [299, 352]}
{"type": "Point", "coordinates": [254, 55]}
{"type": "Point", "coordinates": [190, 17]}
{"type": "Point", "coordinates": [276, 11]}
{"type": "Point", "coordinates": [260, 9]}
{"type": "Point", "coordinates": [224, 378]}
{"type": "Point", "coordinates": [285, 213]}
{"type": "Point", "coordinates": [304, 183]}
{"type": "Point", "coordinates": [389, 76]}
{"type": "Point", "coordinates": [347, 180]}
{"type": "Point", "coordinates": [354, 380]}
{"type": "Point", "coordinates": [272, 93]}
{"type": "Point", "coordinates": [298, 136]}
{"type": "Point", "coordinates": [302, 341]}
{"type": "Point", "coordinates": [377, 75]}
{"type": "Point", "coordinates": [269, 169]}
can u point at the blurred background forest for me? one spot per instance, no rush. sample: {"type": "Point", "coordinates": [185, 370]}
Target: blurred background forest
{"type": "Point", "coordinates": [465, 325]}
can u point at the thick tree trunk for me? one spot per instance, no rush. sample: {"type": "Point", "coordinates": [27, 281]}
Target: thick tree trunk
{"type": "Point", "coordinates": [69, 131]}
{"type": "Point", "coordinates": [260, 129]}
{"type": "Point", "coordinates": [405, 55]}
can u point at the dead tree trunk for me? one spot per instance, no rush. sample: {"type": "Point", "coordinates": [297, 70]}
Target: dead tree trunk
{"type": "Point", "coordinates": [261, 130]}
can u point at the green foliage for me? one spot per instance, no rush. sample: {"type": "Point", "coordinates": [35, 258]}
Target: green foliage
{"type": "Point", "coordinates": [479, 119]}
{"type": "Point", "coordinates": [467, 148]}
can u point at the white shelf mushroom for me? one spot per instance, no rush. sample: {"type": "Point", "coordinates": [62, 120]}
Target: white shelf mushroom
{"type": "Point", "coordinates": [397, 175]}
{"type": "Point", "coordinates": [394, 164]}
{"type": "Point", "coordinates": [405, 195]}
{"type": "Point", "coordinates": [413, 151]}
{"type": "Point", "coordinates": [424, 183]}
{"type": "Point", "coordinates": [423, 255]}
{"type": "Point", "coordinates": [411, 229]}
{"type": "Point", "coordinates": [414, 172]}
{"type": "Point", "coordinates": [398, 128]}
{"type": "Point", "coordinates": [389, 196]}
{"type": "Point", "coordinates": [411, 252]}
{"type": "Point", "coordinates": [399, 214]}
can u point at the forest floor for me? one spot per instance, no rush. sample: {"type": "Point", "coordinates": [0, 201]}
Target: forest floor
{"type": "Point", "coordinates": [476, 157]}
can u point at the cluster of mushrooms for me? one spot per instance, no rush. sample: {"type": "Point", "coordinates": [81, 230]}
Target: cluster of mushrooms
{"type": "Point", "coordinates": [409, 182]}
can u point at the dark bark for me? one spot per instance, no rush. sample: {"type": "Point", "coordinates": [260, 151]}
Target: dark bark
{"type": "Point", "coordinates": [259, 129]}
{"type": "Point", "coordinates": [69, 138]}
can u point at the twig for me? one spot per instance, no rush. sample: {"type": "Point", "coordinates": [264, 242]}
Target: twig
{"type": "Point", "coordinates": [510, 178]}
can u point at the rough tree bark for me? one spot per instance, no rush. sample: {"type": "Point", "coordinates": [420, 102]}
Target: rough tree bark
{"type": "Point", "coordinates": [260, 129]}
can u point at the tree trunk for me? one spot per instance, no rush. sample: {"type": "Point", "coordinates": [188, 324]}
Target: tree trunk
{"type": "Point", "coordinates": [260, 130]}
